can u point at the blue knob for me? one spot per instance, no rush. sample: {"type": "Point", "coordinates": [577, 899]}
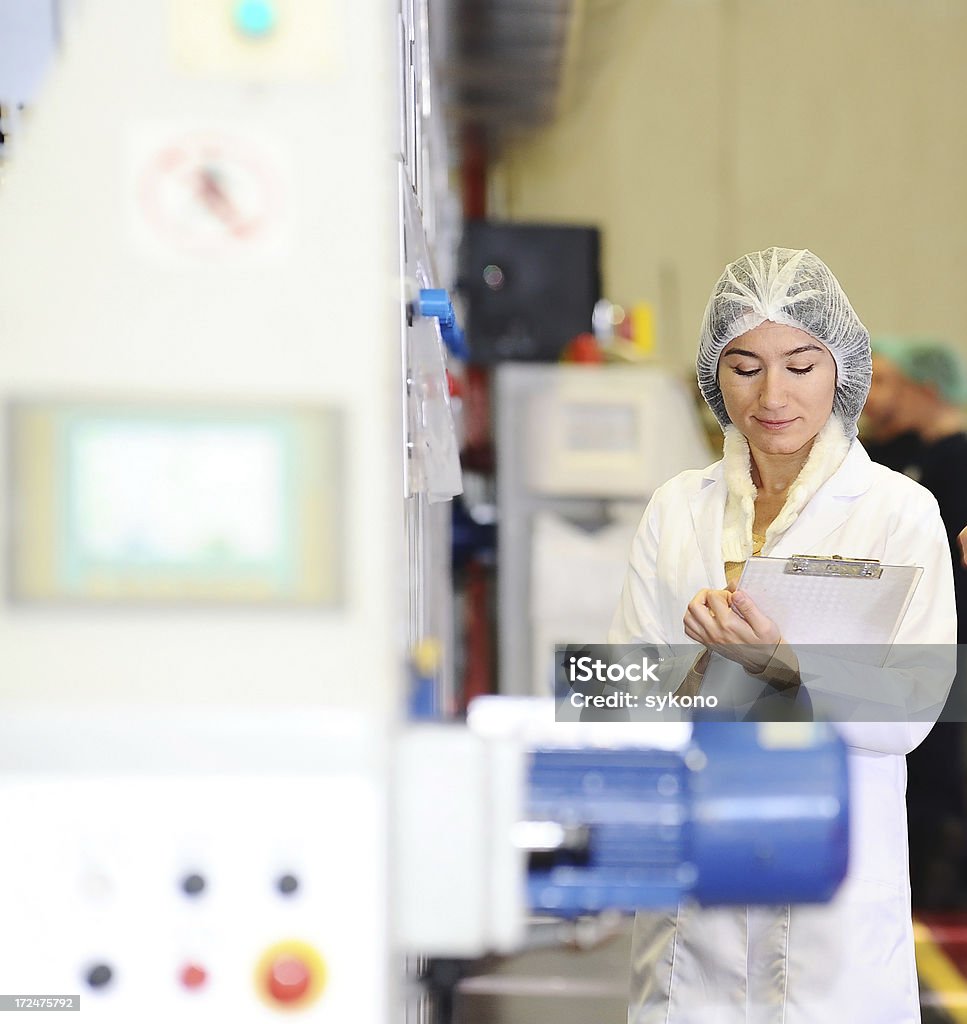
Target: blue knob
{"type": "Point", "coordinates": [455, 341]}
{"type": "Point", "coordinates": [436, 302]}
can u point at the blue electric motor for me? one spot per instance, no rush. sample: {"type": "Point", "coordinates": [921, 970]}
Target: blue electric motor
{"type": "Point", "coordinates": [748, 812]}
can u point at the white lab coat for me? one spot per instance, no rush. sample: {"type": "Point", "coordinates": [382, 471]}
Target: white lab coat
{"type": "Point", "coordinates": [853, 959]}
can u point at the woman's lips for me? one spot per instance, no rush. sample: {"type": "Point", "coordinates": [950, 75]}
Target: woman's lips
{"type": "Point", "coordinates": [774, 424]}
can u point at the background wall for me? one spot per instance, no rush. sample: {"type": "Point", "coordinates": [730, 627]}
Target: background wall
{"type": "Point", "coordinates": [698, 130]}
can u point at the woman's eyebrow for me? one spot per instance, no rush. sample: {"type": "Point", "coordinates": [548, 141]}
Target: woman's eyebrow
{"type": "Point", "coordinates": [785, 355]}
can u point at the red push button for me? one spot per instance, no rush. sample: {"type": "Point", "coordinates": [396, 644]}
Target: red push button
{"type": "Point", "coordinates": [289, 979]}
{"type": "Point", "coordinates": [290, 974]}
{"type": "Point", "coordinates": [193, 976]}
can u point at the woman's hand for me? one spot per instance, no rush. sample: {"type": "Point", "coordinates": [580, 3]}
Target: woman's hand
{"type": "Point", "coordinates": [731, 625]}
{"type": "Point", "coordinates": [962, 541]}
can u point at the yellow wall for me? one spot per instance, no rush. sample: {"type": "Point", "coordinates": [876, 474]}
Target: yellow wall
{"type": "Point", "coordinates": [702, 129]}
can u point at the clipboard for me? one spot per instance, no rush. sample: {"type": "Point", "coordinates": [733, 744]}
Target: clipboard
{"type": "Point", "coordinates": [831, 600]}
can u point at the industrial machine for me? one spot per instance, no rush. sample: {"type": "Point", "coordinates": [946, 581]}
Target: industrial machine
{"type": "Point", "coordinates": [628, 816]}
{"type": "Point", "coordinates": [224, 415]}
{"type": "Point", "coordinates": [581, 450]}
{"type": "Point", "coordinates": [181, 865]}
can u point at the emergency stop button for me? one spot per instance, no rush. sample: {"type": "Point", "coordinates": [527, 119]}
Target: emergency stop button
{"type": "Point", "coordinates": [193, 976]}
{"type": "Point", "coordinates": [289, 979]}
{"type": "Point", "coordinates": [291, 974]}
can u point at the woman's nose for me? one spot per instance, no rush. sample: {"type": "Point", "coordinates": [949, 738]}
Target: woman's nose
{"type": "Point", "coordinates": [773, 394]}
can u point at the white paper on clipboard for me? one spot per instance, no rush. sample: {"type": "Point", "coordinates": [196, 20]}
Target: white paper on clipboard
{"type": "Point", "coordinates": [846, 602]}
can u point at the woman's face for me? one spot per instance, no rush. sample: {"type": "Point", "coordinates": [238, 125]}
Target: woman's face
{"type": "Point", "coordinates": [778, 384]}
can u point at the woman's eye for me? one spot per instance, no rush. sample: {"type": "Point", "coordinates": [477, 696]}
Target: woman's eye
{"type": "Point", "coordinates": [745, 373]}
{"type": "Point", "coordinates": [801, 369]}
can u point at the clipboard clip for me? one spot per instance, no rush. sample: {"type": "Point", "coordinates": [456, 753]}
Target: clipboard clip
{"type": "Point", "coordinates": [834, 565]}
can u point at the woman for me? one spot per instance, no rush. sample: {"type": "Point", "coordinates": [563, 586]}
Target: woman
{"type": "Point", "coordinates": [784, 363]}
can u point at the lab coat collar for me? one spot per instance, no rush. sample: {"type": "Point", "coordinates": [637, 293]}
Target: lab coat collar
{"type": "Point", "coordinates": [853, 478]}
{"type": "Point", "coordinates": [707, 506]}
{"type": "Point", "coordinates": [829, 507]}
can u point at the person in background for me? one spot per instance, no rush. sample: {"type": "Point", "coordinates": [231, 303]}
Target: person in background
{"type": "Point", "coordinates": [915, 416]}
{"type": "Point", "coordinates": [887, 440]}
{"type": "Point", "coordinates": [784, 364]}
{"type": "Point", "coordinates": [914, 419]}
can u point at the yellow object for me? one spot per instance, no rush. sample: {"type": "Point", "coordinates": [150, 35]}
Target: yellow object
{"type": "Point", "coordinates": [426, 657]}
{"type": "Point", "coordinates": [940, 974]}
{"type": "Point", "coordinates": [643, 327]}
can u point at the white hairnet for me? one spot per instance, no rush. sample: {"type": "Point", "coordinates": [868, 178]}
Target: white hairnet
{"type": "Point", "coordinates": [792, 287]}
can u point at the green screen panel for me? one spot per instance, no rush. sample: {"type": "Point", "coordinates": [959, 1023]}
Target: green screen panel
{"type": "Point", "coordinates": [176, 504]}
